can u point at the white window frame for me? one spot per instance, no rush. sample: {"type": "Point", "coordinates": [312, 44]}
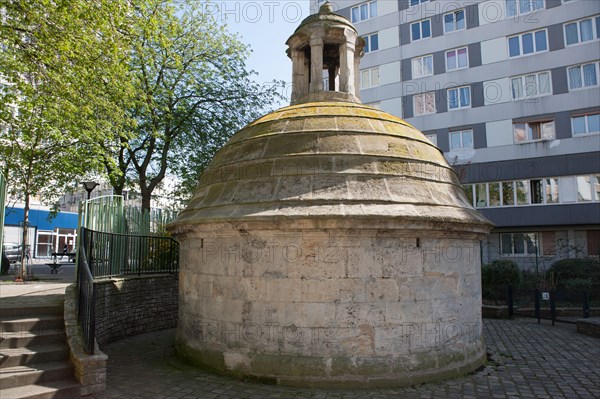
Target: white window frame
{"type": "Point", "coordinates": [454, 24]}
{"type": "Point", "coordinates": [417, 2]}
{"type": "Point", "coordinates": [518, 10]}
{"type": "Point", "coordinates": [455, 51]}
{"type": "Point", "coordinates": [581, 75]}
{"type": "Point", "coordinates": [460, 105]}
{"type": "Point", "coordinates": [586, 124]}
{"type": "Point", "coordinates": [424, 97]}
{"type": "Point", "coordinates": [371, 72]}
{"type": "Point", "coordinates": [461, 134]}
{"type": "Point", "coordinates": [420, 22]}
{"type": "Point", "coordinates": [369, 40]}
{"type": "Point", "coordinates": [525, 86]}
{"type": "Point", "coordinates": [546, 129]}
{"type": "Point", "coordinates": [577, 22]}
{"type": "Point", "coordinates": [369, 6]}
{"type": "Point", "coordinates": [417, 63]}
{"type": "Point", "coordinates": [520, 36]}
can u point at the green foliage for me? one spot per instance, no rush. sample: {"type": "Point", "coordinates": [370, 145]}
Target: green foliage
{"type": "Point", "coordinates": [139, 90]}
{"type": "Point", "coordinates": [576, 273]}
{"type": "Point", "coordinates": [193, 92]}
{"type": "Point", "coordinates": [496, 275]}
{"type": "Point", "coordinates": [501, 272]}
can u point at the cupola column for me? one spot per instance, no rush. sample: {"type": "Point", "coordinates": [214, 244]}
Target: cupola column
{"type": "Point", "coordinates": [316, 64]}
{"type": "Point", "coordinates": [347, 66]}
{"type": "Point", "coordinates": [299, 75]}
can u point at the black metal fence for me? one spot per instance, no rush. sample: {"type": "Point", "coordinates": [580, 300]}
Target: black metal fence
{"type": "Point", "coordinates": [86, 291]}
{"type": "Point", "coordinates": [102, 255]}
{"type": "Point", "coordinates": [560, 305]}
{"type": "Point", "coordinates": [111, 254]}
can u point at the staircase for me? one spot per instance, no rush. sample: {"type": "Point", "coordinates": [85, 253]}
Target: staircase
{"type": "Point", "coordinates": [34, 356]}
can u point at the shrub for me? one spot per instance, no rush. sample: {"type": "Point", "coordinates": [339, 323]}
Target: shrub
{"type": "Point", "coordinates": [498, 274]}
{"type": "Point", "coordinates": [576, 273]}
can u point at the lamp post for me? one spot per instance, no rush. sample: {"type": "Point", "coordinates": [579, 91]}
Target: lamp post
{"type": "Point", "coordinates": [89, 187]}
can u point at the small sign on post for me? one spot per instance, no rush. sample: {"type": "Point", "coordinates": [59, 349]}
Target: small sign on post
{"type": "Point", "coordinates": [545, 296]}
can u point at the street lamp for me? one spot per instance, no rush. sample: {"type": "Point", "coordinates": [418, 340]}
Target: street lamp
{"type": "Point", "coordinates": [89, 187]}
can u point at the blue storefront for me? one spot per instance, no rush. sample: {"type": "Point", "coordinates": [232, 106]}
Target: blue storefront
{"type": "Point", "coordinates": [47, 232]}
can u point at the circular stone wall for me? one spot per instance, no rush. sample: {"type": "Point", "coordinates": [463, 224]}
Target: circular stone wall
{"type": "Point", "coordinates": [331, 244]}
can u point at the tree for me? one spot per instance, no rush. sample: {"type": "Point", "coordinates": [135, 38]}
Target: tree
{"type": "Point", "coordinates": [61, 66]}
{"type": "Point", "coordinates": [193, 92]}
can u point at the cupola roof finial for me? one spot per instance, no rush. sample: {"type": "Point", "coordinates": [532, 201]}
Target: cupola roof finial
{"type": "Point", "coordinates": [326, 8]}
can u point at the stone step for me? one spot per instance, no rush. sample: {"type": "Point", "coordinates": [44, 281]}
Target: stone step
{"type": "Point", "coordinates": [34, 354]}
{"type": "Point", "coordinates": [27, 311]}
{"type": "Point", "coordinates": [18, 339]}
{"type": "Point", "coordinates": [31, 323]}
{"type": "Point", "coordinates": [34, 374]}
{"type": "Point", "coordinates": [61, 389]}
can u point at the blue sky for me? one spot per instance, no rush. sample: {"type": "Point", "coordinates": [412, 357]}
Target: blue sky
{"type": "Point", "coordinates": [265, 26]}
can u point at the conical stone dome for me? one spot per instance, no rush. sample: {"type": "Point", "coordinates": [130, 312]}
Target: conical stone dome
{"type": "Point", "coordinates": [329, 243]}
{"type": "Point", "coordinates": [331, 159]}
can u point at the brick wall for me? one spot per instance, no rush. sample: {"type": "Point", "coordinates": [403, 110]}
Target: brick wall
{"type": "Point", "coordinates": [135, 305]}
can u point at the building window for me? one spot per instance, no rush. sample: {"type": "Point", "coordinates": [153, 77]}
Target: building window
{"type": "Point", "coordinates": [424, 103]}
{"type": "Point", "coordinates": [364, 11]}
{"type": "Point", "coordinates": [522, 191]}
{"type": "Point", "coordinates": [372, 42]}
{"type": "Point", "coordinates": [581, 76]}
{"type": "Point", "coordinates": [469, 192]}
{"type": "Point", "coordinates": [518, 243]}
{"type": "Point", "coordinates": [369, 78]}
{"type": "Point", "coordinates": [533, 131]}
{"type": "Point", "coordinates": [527, 43]}
{"type": "Point", "coordinates": [457, 59]}
{"type": "Point", "coordinates": [584, 189]}
{"type": "Point", "coordinates": [461, 139]}
{"type": "Point", "coordinates": [520, 7]}
{"type": "Point", "coordinates": [533, 85]}
{"type": "Point", "coordinates": [454, 21]}
{"type": "Point", "coordinates": [417, 2]}
{"type": "Point", "coordinates": [481, 195]}
{"type": "Point", "coordinates": [584, 124]}
{"type": "Point", "coordinates": [508, 193]}
{"type": "Point", "coordinates": [494, 194]}
{"type": "Point", "coordinates": [582, 31]}
{"type": "Point", "coordinates": [420, 30]}
{"type": "Point", "coordinates": [551, 190]}
{"type": "Point", "coordinates": [422, 66]}
{"type": "Point", "coordinates": [432, 138]}
{"type": "Point", "coordinates": [459, 97]}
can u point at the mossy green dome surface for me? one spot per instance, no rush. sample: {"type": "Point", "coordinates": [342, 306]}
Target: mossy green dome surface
{"type": "Point", "coordinates": [330, 160]}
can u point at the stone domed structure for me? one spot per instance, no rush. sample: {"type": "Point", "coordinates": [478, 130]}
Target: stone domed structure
{"type": "Point", "coordinates": [330, 243]}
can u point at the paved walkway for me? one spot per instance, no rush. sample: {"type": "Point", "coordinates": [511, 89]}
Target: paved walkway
{"type": "Point", "coordinates": [527, 360]}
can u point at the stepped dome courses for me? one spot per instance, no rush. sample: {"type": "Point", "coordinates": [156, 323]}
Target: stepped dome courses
{"type": "Point", "coordinates": [330, 243]}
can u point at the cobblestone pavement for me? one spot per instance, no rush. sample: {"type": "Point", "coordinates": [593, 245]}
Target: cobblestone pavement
{"type": "Point", "coordinates": [526, 360]}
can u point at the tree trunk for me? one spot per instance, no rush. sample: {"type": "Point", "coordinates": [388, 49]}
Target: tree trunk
{"type": "Point", "coordinates": [146, 198]}
{"type": "Point", "coordinates": [25, 242]}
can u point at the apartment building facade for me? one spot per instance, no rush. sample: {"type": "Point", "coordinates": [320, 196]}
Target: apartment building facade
{"type": "Point", "coordinates": [509, 91]}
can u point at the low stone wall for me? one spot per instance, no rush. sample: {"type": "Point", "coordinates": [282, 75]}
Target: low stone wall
{"type": "Point", "coordinates": [135, 305]}
{"type": "Point", "coordinates": [494, 312]}
{"type": "Point", "coordinates": [589, 327]}
{"type": "Point", "coordinates": [90, 370]}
